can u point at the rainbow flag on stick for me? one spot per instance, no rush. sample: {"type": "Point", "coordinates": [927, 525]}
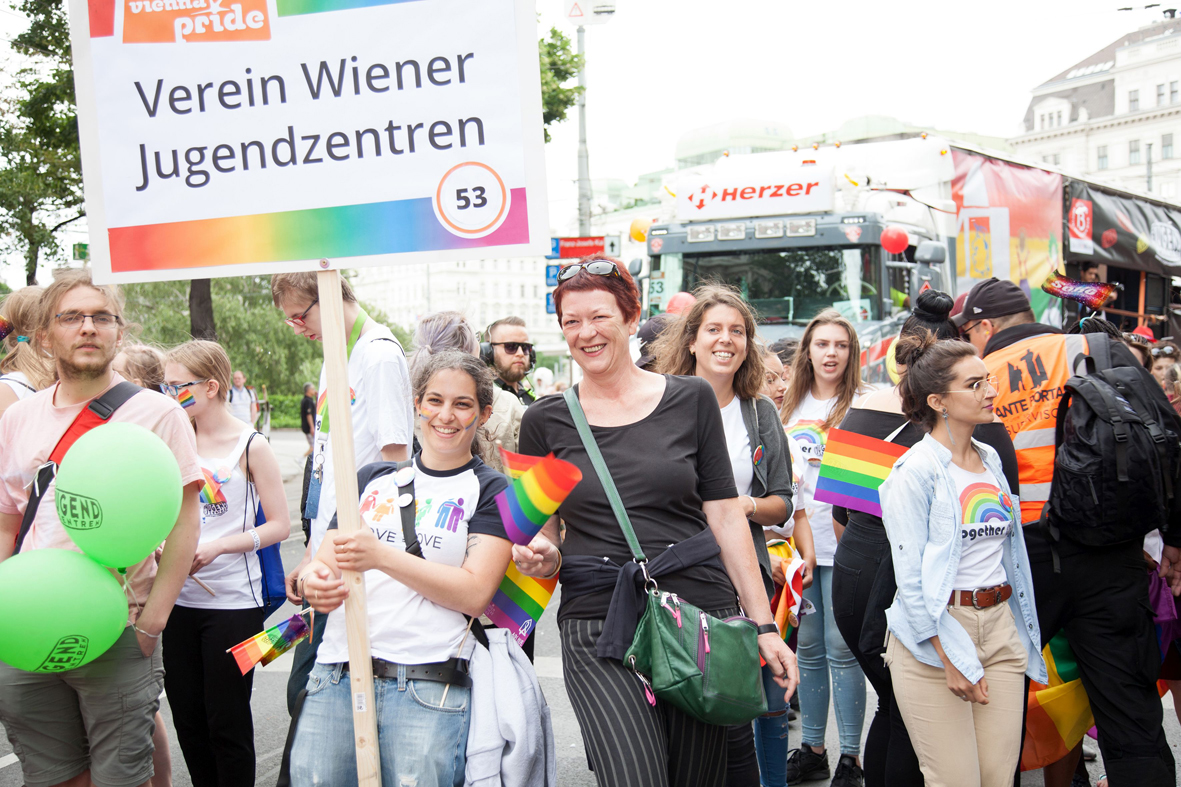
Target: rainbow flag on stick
{"type": "Point", "coordinates": [853, 469]}
{"type": "Point", "coordinates": [539, 485]}
{"type": "Point", "coordinates": [271, 644]}
{"type": "Point", "coordinates": [1059, 713]}
{"type": "Point", "coordinates": [519, 602]}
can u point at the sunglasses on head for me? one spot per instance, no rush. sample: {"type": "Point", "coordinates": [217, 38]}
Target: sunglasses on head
{"type": "Point", "coordinates": [1165, 351]}
{"type": "Point", "coordinates": [594, 267]}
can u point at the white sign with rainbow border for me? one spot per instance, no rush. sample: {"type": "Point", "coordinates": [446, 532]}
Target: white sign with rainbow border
{"type": "Point", "coordinates": [242, 137]}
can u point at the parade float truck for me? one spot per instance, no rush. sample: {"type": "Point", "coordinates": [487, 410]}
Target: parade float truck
{"type": "Point", "coordinates": [863, 228]}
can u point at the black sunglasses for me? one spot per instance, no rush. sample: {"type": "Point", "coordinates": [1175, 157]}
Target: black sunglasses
{"type": "Point", "coordinates": [594, 267]}
{"type": "Point", "coordinates": [512, 347]}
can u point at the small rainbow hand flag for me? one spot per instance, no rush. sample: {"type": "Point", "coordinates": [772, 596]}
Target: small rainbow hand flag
{"type": "Point", "coordinates": [539, 485]}
{"type": "Point", "coordinates": [1093, 295]}
{"type": "Point", "coordinates": [519, 602]}
{"type": "Point", "coordinates": [853, 469]}
{"type": "Point", "coordinates": [271, 644]}
{"type": "Point", "coordinates": [790, 596]}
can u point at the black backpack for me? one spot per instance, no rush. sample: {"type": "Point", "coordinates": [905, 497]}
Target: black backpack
{"type": "Point", "coordinates": [1117, 451]}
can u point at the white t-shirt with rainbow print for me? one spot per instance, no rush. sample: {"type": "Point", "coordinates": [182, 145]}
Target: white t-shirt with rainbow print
{"type": "Point", "coordinates": [806, 428]}
{"type": "Point", "coordinates": [987, 516]}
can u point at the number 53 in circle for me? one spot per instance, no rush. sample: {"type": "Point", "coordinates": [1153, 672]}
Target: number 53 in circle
{"type": "Point", "coordinates": [471, 200]}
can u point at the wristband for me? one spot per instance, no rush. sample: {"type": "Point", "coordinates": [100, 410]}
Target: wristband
{"type": "Point", "coordinates": [146, 634]}
{"type": "Point", "coordinates": [257, 540]}
{"type": "Point", "coordinates": [754, 504]}
{"type": "Point", "coordinates": [768, 628]}
{"type": "Point", "coordinates": [559, 567]}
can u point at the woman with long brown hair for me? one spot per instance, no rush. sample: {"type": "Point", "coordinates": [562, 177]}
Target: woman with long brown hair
{"type": "Point", "coordinates": [715, 340]}
{"type": "Point", "coordinates": [826, 378]}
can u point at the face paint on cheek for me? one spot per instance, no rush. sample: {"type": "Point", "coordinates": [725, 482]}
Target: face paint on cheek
{"type": "Point", "coordinates": [185, 398]}
{"type": "Point", "coordinates": [475, 417]}
{"type": "Point", "coordinates": [426, 414]}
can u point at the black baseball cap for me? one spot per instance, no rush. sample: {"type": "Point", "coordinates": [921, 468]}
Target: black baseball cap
{"type": "Point", "coordinates": [990, 299]}
{"type": "Point", "coordinates": [648, 333]}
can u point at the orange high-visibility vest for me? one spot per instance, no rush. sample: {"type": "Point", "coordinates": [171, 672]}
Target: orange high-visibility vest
{"type": "Point", "coordinates": [1030, 376]}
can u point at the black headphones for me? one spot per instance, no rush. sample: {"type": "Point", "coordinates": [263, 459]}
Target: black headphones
{"type": "Point", "coordinates": [488, 352]}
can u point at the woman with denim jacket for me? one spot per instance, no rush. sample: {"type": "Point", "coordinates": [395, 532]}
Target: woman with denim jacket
{"type": "Point", "coordinates": [963, 630]}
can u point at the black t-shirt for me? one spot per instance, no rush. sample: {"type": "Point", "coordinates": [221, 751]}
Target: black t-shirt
{"type": "Point", "coordinates": [664, 466]}
{"type": "Point", "coordinates": [879, 424]}
{"type": "Point", "coordinates": [307, 408]}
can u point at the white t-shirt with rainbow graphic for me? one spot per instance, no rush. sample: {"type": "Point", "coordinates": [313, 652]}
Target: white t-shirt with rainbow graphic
{"type": "Point", "coordinates": [987, 521]}
{"type": "Point", "coordinates": [806, 429]}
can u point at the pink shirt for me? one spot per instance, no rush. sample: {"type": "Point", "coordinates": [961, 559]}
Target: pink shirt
{"type": "Point", "coordinates": [31, 428]}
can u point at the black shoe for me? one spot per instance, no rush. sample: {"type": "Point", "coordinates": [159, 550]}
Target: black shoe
{"type": "Point", "coordinates": [792, 715]}
{"type": "Point", "coordinates": [805, 765]}
{"type": "Point", "coordinates": [848, 773]}
{"type": "Point", "coordinates": [1080, 781]}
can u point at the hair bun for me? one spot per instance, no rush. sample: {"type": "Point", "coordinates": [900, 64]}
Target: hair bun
{"type": "Point", "coordinates": [910, 347]}
{"type": "Point", "coordinates": [933, 306]}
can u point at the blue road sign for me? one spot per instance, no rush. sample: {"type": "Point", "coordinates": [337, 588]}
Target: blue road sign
{"type": "Point", "coordinates": [549, 303]}
{"type": "Point", "coordinates": [551, 275]}
{"type": "Point", "coordinates": [555, 249]}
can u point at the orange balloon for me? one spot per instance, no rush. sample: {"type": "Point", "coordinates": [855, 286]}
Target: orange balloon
{"type": "Point", "coordinates": [639, 230]}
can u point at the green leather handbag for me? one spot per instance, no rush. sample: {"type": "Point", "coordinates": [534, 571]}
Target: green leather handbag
{"type": "Point", "coordinates": [706, 666]}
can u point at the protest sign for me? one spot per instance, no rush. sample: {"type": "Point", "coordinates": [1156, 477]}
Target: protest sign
{"type": "Point", "coordinates": [242, 137]}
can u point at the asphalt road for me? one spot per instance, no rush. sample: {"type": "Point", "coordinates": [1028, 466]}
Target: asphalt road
{"type": "Point", "coordinates": [270, 704]}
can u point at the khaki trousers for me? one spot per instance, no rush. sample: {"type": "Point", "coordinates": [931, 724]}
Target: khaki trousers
{"type": "Point", "coordinates": [965, 744]}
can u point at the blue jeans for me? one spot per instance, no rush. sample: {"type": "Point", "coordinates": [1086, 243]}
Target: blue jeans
{"type": "Point", "coordinates": [420, 743]}
{"type": "Point", "coordinates": [822, 650]}
{"type": "Point", "coordinates": [771, 735]}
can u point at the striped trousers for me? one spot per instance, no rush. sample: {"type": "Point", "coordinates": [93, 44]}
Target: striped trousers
{"type": "Point", "coordinates": [629, 742]}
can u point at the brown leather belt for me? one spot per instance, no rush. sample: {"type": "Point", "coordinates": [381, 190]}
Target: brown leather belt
{"type": "Point", "coordinates": [981, 598]}
{"type": "Point", "coordinates": [453, 671]}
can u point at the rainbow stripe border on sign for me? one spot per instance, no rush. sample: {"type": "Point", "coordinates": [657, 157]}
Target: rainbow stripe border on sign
{"type": "Point", "coordinates": [345, 231]}
{"type": "Point", "coordinates": [102, 12]}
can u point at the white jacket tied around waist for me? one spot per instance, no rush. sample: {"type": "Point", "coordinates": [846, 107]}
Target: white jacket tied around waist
{"type": "Point", "coordinates": [510, 739]}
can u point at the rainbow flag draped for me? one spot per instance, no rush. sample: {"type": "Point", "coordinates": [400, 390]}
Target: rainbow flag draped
{"type": "Point", "coordinates": [1091, 294]}
{"type": "Point", "coordinates": [1059, 712]}
{"type": "Point", "coordinates": [790, 596]}
{"type": "Point", "coordinates": [539, 485]}
{"type": "Point", "coordinates": [271, 644]}
{"type": "Point", "coordinates": [853, 468]}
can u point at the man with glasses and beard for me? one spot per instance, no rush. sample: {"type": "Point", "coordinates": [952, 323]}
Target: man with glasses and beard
{"type": "Point", "coordinates": [506, 348]}
{"type": "Point", "coordinates": [92, 724]}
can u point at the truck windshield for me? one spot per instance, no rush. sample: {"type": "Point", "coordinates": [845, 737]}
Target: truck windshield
{"type": "Point", "coordinates": [791, 286]}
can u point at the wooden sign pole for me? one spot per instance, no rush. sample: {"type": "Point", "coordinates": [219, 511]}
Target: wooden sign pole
{"type": "Point", "coordinates": [348, 519]}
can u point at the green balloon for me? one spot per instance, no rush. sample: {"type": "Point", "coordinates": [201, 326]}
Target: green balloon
{"type": "Point", "coordinates": [61, 610]}
{"type": "Point", "coordinates": [118, 493]}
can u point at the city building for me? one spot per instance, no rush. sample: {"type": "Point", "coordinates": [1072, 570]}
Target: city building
{"type": "Point", "coordinates": [1114, 116]}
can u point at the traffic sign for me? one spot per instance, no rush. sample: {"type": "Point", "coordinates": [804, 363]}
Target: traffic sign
{"type": "Point", "coordinates": [549, 304]}
{"type": "Point", "coordinates": [551, 275]}
{"type": "Point", "coordinates": [82, 251]}
{"type": "Point", "coordinates": [574, 248]}
{"type": "Point", "coordinates": [611, 245]}
{"type": "Point", "coordinates": [589, 12]}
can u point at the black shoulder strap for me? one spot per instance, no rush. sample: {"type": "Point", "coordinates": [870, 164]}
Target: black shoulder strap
{"type": "Point", "coordinates": [103, 407]}
{"type": "Point", "coordinates": [408, 512]}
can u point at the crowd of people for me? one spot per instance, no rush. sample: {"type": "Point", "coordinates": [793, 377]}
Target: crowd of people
{"type": "Point", "coordinates": [705, 456]}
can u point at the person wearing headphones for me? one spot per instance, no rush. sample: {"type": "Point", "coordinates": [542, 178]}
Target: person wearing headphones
{"type": "Point", "coordinates": [506, 348]}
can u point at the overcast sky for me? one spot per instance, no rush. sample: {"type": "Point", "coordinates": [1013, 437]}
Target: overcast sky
{"type": "Point", "coordinates": [664, 67]}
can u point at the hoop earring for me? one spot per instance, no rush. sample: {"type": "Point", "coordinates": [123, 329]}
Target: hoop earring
{"type": "Point", "coordinates": [947, 426]}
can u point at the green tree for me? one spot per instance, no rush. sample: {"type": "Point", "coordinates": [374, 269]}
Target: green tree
{"type": "Point", "coordinates": [558, 66]}
{"type": "Point", "coordinates": [41, 178]}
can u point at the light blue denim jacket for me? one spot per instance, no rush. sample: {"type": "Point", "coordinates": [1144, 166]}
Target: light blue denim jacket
{"type": "Point", "coordinates": [923, 520]}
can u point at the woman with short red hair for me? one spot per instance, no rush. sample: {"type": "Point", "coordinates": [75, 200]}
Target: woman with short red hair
{"type": "Point", "coordinates": [664, 444]}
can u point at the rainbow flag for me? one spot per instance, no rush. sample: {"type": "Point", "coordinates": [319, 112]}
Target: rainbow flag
{"type": "Point", "coordinates": [539, 485]}
{"type": "Point", "coordinates": [789, 597]}
{"type": "Point", "coordinates": [1059, 712]}
{"type": "Point", "coordinates": [519, 602]}
{"type": "Point", "coordinates": [271, 644]}
{"type": "Point", "coordinates": [853, 468]}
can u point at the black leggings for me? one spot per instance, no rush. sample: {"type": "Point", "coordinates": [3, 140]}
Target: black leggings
{"type": "Point", "coordinates": [890, 760]}
{"type": "Point", "coordinates": [209, 696]}
{"type": "Point", "coordinates": [630, 743]}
